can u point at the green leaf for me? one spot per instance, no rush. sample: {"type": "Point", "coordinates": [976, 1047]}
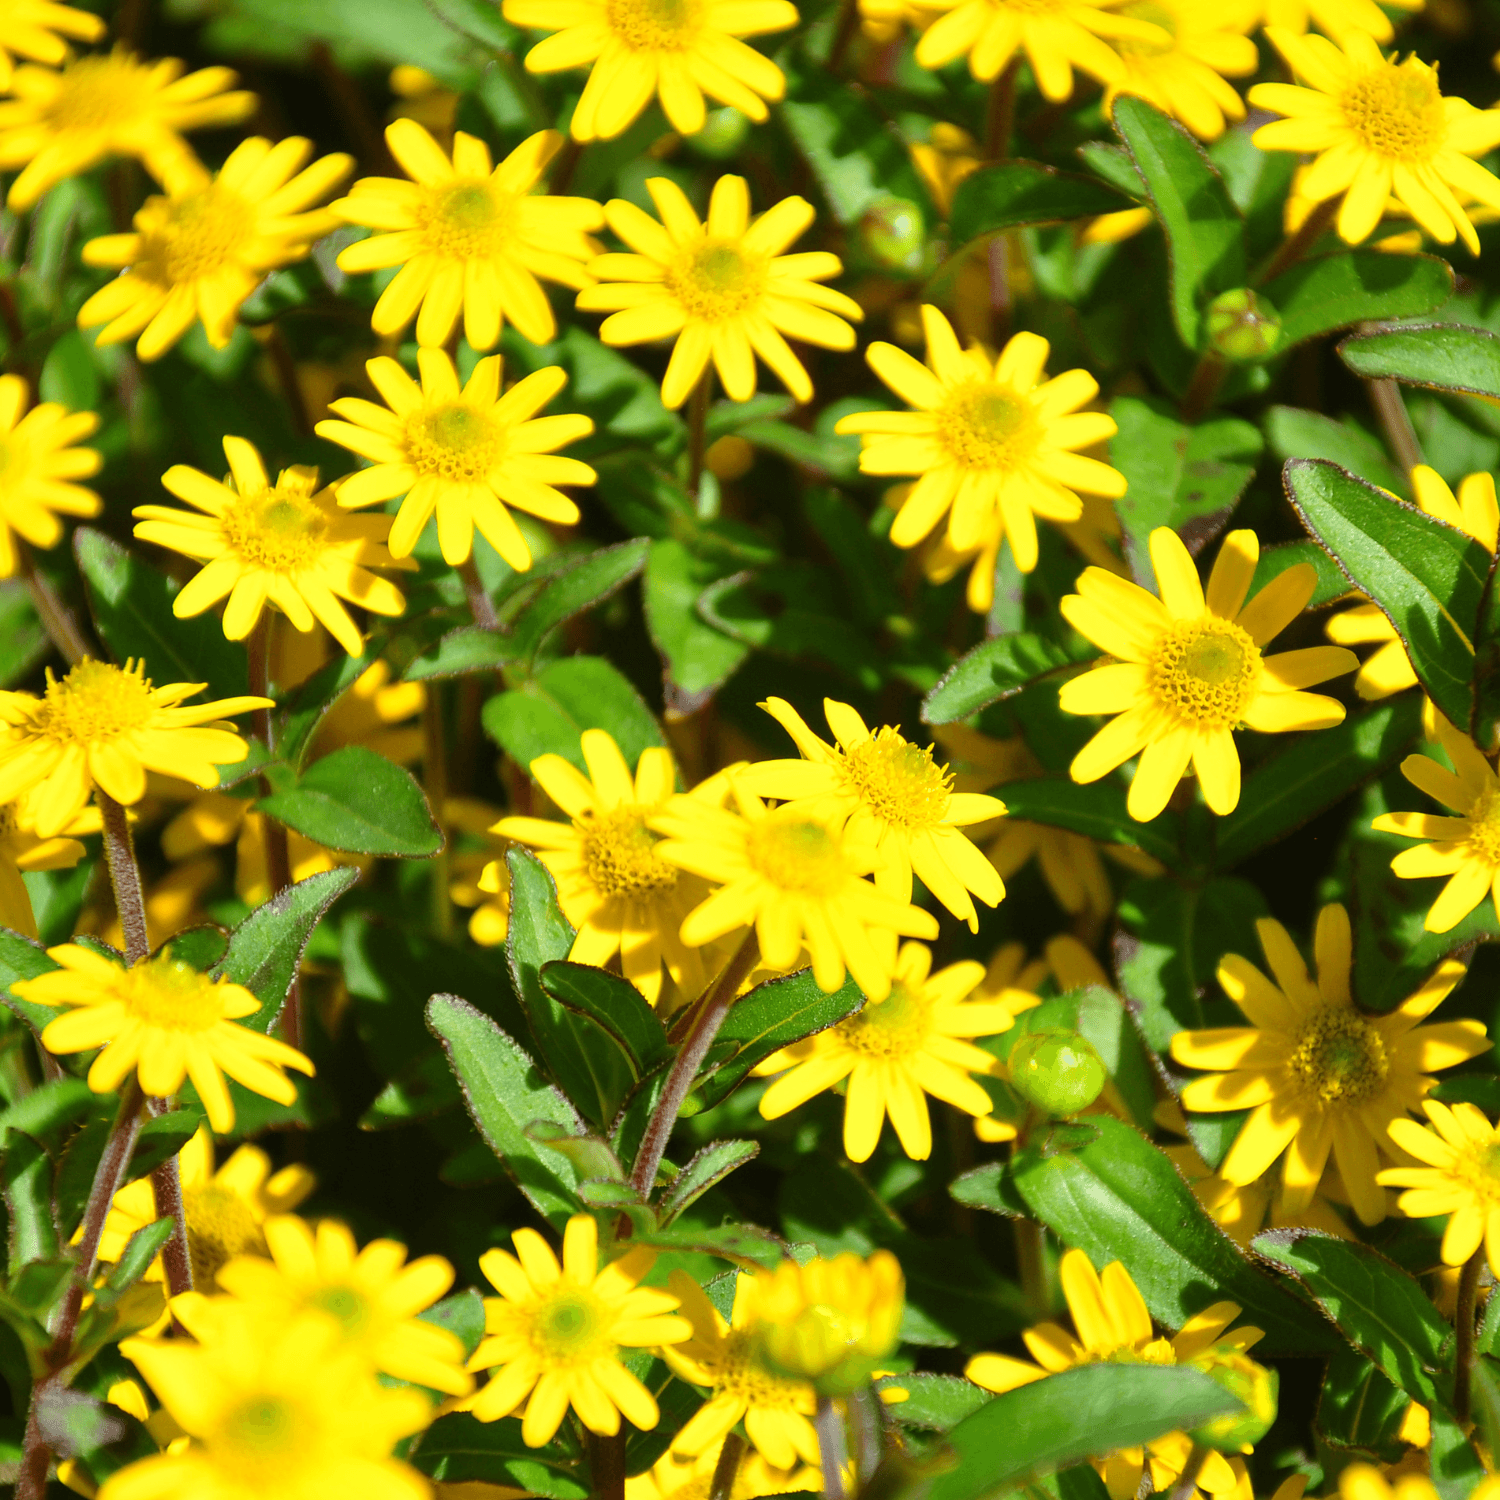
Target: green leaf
{"type": "Point", "coordinates": [591, 1067]}
{"type": "Point", "coordinates": [1096, 810]}
{"type": "Point", "coordinates": [935, 1402]}
{"type": "Point", "coordinates": [425, 1089]}
{"type": "Point", "coordinates": [301, 714]}
{"type": "Point", "coordinates": [1188, 478]}
{"type": "Point", "coordinates": [505, 1095]}
{"type": "Point", "coordinates": [23, 642]}
{"type": "Point", "coordinates": [1359, 1408]}
{"type": "Point", "coordinates": [994, 670]}
{"type": "Point", "coordinates": [592, 580]}
{"type": "Point", "coordinates": [614, 1005]}
{"type": "Point", "coordinates": [132, 609]}
{"type": "Point", "coordinates": [50, 1107]}
{"type": "Point", "coordinates": [1455, 1467]}
{"type": "Point", "coordinates": [462, 1315]}
{"type": "Point", "coordinates": [266, 948]}
{"type": "Point", "coordinates": [468, 649]}
{"type": "Point", "coordinates": [1101, 1186]}
{"type": "Point", "coordinates": [1014, 193]}
{"type": "Point", "coordinates": [548, 714]}
{"type": "Point", "coordinates": [39, 1284]}
{"type": "Point", "coordinates": [709, 1167]}
{"type": "Point", "coordinates": [1334, 291]}
{"type": "Point", "coordinates": [1276, 560]}
{"type": "Point", "coordinates": [1315, 771]}
{"type": "Point", "coordinates": [357, 800]}
{"type": "Point", "coordinates": [460, 1449]}
{"type": "Point", "coordinates": [1441, 356]}
{"type": "Point", "coordinates": [23, 958]}
{"type": "Point", "coordinates": [1078, 1414]}
{"type": "Point", "coordinates": [698, 660]}
{"type": "Point", "coordinates": [742, 1245]}
{"type": "Point", "coordinates": [1377, 1307]}
{"type": "Point", "coordinates": [160, 1138]}
{"type": "Point", "coordinates": [135, 1260]}
{"type": "Point", "coordinates": [1427, 577]}
{"type": "Point", "coordinates": [1295, 433]}
{"type": "Point", "coordinates": [26, 1179]}
{"type": "Point", "coordinates": [1205, 233]}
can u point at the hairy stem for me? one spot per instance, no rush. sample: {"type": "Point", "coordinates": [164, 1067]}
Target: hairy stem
{"type": "Point", "coordinates": [1203, 387]}
{"type": "Point", "coordinates": [1000, 117]}
{"type": "Point", "coordinates": [62, 627]}
{"type": "Point", "coordinates": [727, 1468]}
{"type": "Point", "coordinates": [124, 876]}
{"type": "Point", "coordinates": [481, 606]}
{"type": "Point", "coordinates": [830, 1429]}
{"type": "Point", "coordinates": [166, 1192]}
{"type": "Point", "coordinates": [1031, 1262]}
{"type": "Point", "coordinates": [1463, 1322]}
{"type": "Point", "coordinates": [607, 1466]}
{"type": "Point", "coordinates": [1395, 422]}
{"type": "Point", "coordinates": [1187, 1481]}
{"type": "Point", "coordinates": [698, 430]}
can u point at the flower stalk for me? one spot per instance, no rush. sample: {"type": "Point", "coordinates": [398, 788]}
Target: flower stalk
{"type": "Point", "coordinates": [1463, 1322]}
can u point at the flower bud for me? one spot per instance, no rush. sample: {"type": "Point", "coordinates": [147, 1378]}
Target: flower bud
{"type": "Point", "coordinates": [1243, 326]}
{"type": "Point", "coordinates": [891, 235]}
{"type": "Point", "coordinates": [1057, 1070]}
{"type": "Point", "coordinates": [1253, 1385]}
{"type": "Point", "coordinates": [723, 133]}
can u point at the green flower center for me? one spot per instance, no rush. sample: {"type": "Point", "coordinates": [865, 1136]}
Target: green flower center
{"type": "Point", "coordinates": [718, 281]}
{"type": "Point", "coordinates": [470, 219]}
{"type": "Point", "coordinates": [1205, 671]}
{"type": "Point", "coordinates": [263, 1439]}
{"type": "Point", "coordinates": [454, 441]}
{"type": "Point", "coordinates": [1340, 1058]}
{"type": "Point", "coordinates": [894, 1028]}
{"type": "Point", "coordinates": [986, 426]}
{"type": "Point", "coordinates": [571, 1326]}
{"type": "Point", "coordinates": [349, 1308]}
{"type": "Point", "coordinates": [279, 529]}
{"type": "Point", "coordinates": [619, 853]}
{"type": "Point", "coordinates": [797, 855]}
{"type": "Point", "coordinates": [1397, 112]}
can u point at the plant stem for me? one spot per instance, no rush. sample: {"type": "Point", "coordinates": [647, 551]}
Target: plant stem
{"type": "Point", "coordinates": [865, 1436]}
{"type": "Point", "coordinates": [481, 606]}
{"type": "Point", "coordinates": [607, 1466]}
{"type": "Point", "coordinates": [1000, 117]}
{"type": "Point", "coordinates": [727, 1468]}
{"type": "Point", "coordinates": [1031, 1262]}
{"type": "Point", "coordinates": [1203, 387]}
{"type": "Point", "coordinates": [1298, 243]}
{"type": "Point", "coordinates": [565, 163]}
{"type": "Point", "coordinates": [435, 778]}
{"type": "Point", "coordinates": [1395, 422]}
{"type": "Point", "coordinates": [1187, 1481]}
{"type": "Point", "coordinates": [700, 1037]}
{"type": "Point", "coordinates": [848, 24]}
{"type": "Point", "coordinates": [124, 876]}
{"type": "Point", "coordinates": [31, 1480]}
{"type": "Point", "coordinates": [830, 1432]}
{"type": "Point", "coordinates": [284, 362]}
{"type": "Point", "coordinates": [63, 630]}
{"type": "Point", "coordinates": [166, 1191]}
{"type": "Point", "coordinates": [698, 430]}
{"type": "Point", "coordinates": [1463, 1322]}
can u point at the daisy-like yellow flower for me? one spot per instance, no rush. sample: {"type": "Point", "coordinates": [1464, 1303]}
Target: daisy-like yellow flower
{"type": "Point", "coordinates": [675, 1476]}
{"type": "Point", "coordinates": [1465, 847]}
{"type": "Point", "coordinates": [288, 544]}
{"type": "Point", "coordinates": [993, 441]}
{"type": "Point", "coordinates": [1474, 510]}
{"type": "Point", "coordinates": [372, 1294]}
{"type": "Point", "coordinates": [1185, 76]}
{"type": "Point", "coordinates": [21, 850]}
{"type": "Point", "coordinates": [1366, 1482]}
{"type": "Point", "coordinates": [1055, 35]}
{"type": "Point", "coordinates": [1113, 1326]}
{"type": "Point", "coordinates": [470, 237]}
{"type": "Point", "coordinates": [271, 1410]}
{"type": "Point", "coordinates": [896, 1051]}
{"type": "Point", "coordinates": [640, 49]}
{"type": "Point", "coordinates": [1335, 17]}
{"type": "Point", "coordinates": [464, 453]}
{"type": "Point", "coordinates": [166, 1022]}
{"type": "Point", "coordinates": [106, 726]}
{"type": "Point", "coordinates": [723, 289]}
{"type": "Point", "coordinates": [794, 874]}
{"type": "Point", "coordinates": [555, 1333]}
{"type": "Point", "coordinates": [35, 29]}
{"type": "Point", "coordinates": [225, 1210]}
{"type": "Point", "coordinates": [40, 469]}
{"type": "Point", "coordinates": [58, 124]}
{"type": "Point", "coordinates": [1188, 669]}
{"type": "Point", "coordinates": [1316, 1072]}
{"type": "Point", "coordinates": [894, 794]}
{"type": "Point", "coordinates": [202, 247]}
{"type": "Point", "coordinates": [1381, 129]}
{"type": "Point", "coordinates": [619, 894]}
{"type": "Point", "coordinates": [776, 1412]}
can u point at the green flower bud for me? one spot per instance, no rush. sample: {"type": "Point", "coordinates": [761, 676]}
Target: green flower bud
{"type": "Point", "coordinates": [1242, 326]}
{"type": "Point", "coordinates": [892, 235]}
{"type": "Point", "coordinates": [723, 134]}
{"type": "Point", "coordinates": [1253, 1385]}
{"type": "Point", "coordinates": [1057, 1070]}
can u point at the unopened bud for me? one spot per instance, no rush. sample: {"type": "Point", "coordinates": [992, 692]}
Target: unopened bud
{"type": "Point", "coordinates": [1252, 1385]}
{"type": "Point", "coordinates": [1057, 1070]}
{"type": "Point", "coordinates": [891, 234]}
{"type": "Point", "coordinates": [723, 133]}
{"type": "Point", "coordinates": [1243, 326]}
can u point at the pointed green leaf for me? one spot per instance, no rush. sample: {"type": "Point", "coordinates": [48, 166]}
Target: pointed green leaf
{"type": "Point", "coordinates": [26, 1179]}
{"type": "Point", "coordinates": [707, 1169]}
{"type": "Point", "coordinates": [614, 1005]}
{"type": "Point", "coordinates": [1335, 291]}
{"type": "Point", "coordinates": [593, 580]}
{"type": "Point", "coordinates": [468, 649]}
{"type": "Point", "coordinates": [359, 801]}
{"type": "Point", "coordinates": [1441, 356]}
{"type": "Point", "coordinates": [998, 668]}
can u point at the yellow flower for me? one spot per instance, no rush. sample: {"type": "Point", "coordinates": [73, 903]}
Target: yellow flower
{"type": "Point", "coordinates": [675, 1477]}
{"type": "Point", "coordinates": [1114, 1327]}
{"type": "Point", "coordinates": [1474, 510]}
{"type": "Point", "coordinates": [106, 726]}
{"type": "Point", "coordinates": [724, 290]}
{"type": "Point", "coordinates": [39, 467]}
{"type": "Point", "coordinates": [794, 876]}
{"type": "Point", "coordinates": [173, 902]}
{"type": "Point", "coordinates": [1184, 76]}
{"type": "Point", "coordinates": [830, 1322]}
{"type": "Point", "coordinates": [556, 1331]}
{"type": "Point", "coordinates": [272, 1410]}
{"type": "Point", "coordinates": [286, 543]}
{"type": "Point", "coordinates": [892, 793]}
{"type": "Point", "coordinates": [1056, 36]}
{"type": "Point", "coordinates": [112, 104]}
{"type": "Point", "coordinates": [371, 1294]}
{"type": "Point", "coordinates": [1335, 17]}
{"type": "Point", "coordinates": [28, 28]}
{"type": "Point", "coordinates": [469, 237]}
{"type": "Point", "coordinates": [991, 441]}
{"type": "Point", "coordinates": [895, 1052]}
{"type": "Point", "coordinates": [1465, 848]}
{"type": "Point", "coordinates": [620, 896]}
{"type": "Point", "coordinates": [1188, 670]}
{"type": "Point", "coordinates": [460, 453]}
{"type": "Point", "coordinates": [676, 50]}
{"type": "Point", "coordinates": [167, 1022]}
{"type": "Point", "coordinates": [1317, 1073]}
{"type": "Point", "coordinates": [21, 849]}
{"type": "Point", "coordinates": [478, 876]}
{"type": "Point", "coordinates": [946, 157]}
{"type": "Point", "coordinates": [199, 250]}
{"type": "Point", "coordinates": [225, 1211]}
{"type": "Point", "coordinates": [1366, 1482]}
{"type": "Point", "coordinates": [1380, 129]}
{"type": "Point", "coordinates": [721, 1355]}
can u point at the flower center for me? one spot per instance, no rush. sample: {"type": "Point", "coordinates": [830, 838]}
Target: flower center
{"type": "Point", "coordinates": [1484, 828]}
{"type": "Point", "coordinates": [263, 1438]}
{"type": "Point", "coordinates": [570, 1327]}
{"type": "Point", "coordinates": [220, 1226]}
{"type": "Point", "coordinates": [98, 93]}
{"type": "Point", "coordinates": [654, 25]}
{"type": "Point", "coordinates": [1397, 111]}
{"type": "Point", "coordinates": [349, 1308]}
{"type": "Point", "coordinates": [1157, 1352]}
{"type": "Point", "coordinates": [1205, 671]}
{"type": "Point", "coordinates": [986, 426]}
{"type": "Point", "coordinates": [1156, 15]}
{"type": "Point", "coordinates": [191, 237]}
{"type": "Point", "coordinates": [796, 854]}
{"type": "Point", "coordinates": [895, 1027]}
{"type": "Point", "coordinates": [619, 852]}
{"type": "Point", "coordinates": [281, 528]}
{"type": "Point", "coordinates": [1479, 1168]}
{"type": "Point", "coordinates": [471, 219]}
{"type": "Point", "coordinates": [1340, 1057]}
{"type": "Point", "coordinates": [738, 1372]}
{"type": "Point", "coordinates": [170, 994]}
{"type": "Point", "coordinates": [456, 441]}
{"type": "Point", "coordinates": [717, 281]}
{"type": "Point", "coordinates": [900, 781]}
{"type": "Point", "coordinates": [95, 701]}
